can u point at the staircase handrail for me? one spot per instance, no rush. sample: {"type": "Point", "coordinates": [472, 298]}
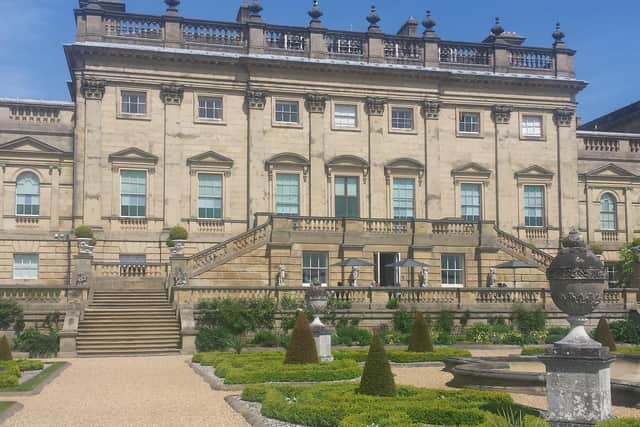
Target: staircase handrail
{"type": "Point", "coordinates": [538, 256]}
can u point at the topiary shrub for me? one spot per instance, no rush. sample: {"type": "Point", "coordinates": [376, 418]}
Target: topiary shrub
{"type": "Point", "coordinates": [5, 349]}
{"type": "Point", "coordinates": [420, 339]}
{"type": "Point", "coordinates": [377, 378]}
{"type": "Point", "coordinates": [83, 232]}
{"type": "Point", "coordinates": [603, 334]}
{"type": "Point", "coordinates": [212, 339]}
{"type": "Point", "coordinates": [177, 233]}
{"type": "Point", "coordinates": [11, 316]}
{"type": "Point", "coordinates": [302, 346]}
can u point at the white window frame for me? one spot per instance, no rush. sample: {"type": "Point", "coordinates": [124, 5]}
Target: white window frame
{"type": "Point", "coordinates": [222, 195]}
{"type": "Point", "coordinates": [455, 268]}
{"type": "Point", "coordinates": [16, 269]}
{"type": "Point", "coordinates": [336, 114]}
{"type": "Point", "coordinates": [524, 129]}
{"type": "Point", "coordinates": [544, 205]}
{"type": "Point", "coordinates": [393, 197]}
{"type": "Point", "coordinates": [614, 212]}
{"type": "Point", "coordinates": [480, 187]}
{"type": "Point", "coordinates": [121, 114]}
{"type": "Point", "coordinates": [39, 195]}
{"type": "Point", "coordinates": [146, 192]}
{"type": "Point", "coordinates": [214, 98]}
{"type": "Point", "coordinates": [460, 114]}
{"type": "Point", "coordinates": [139, 94]}
{"type": "Point", "coordinates": [402, 109]}
{"type": "Point", "coordinates": [315, 268]}
{"type": "Point", "coordinates": [276, 102]}
{"type": "Point", "coordinates": [275, 199]}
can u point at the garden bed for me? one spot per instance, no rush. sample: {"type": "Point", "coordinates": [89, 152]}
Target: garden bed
{"type": "Point", "coordinates": [27, 376]}
{"type": "Point", "coordinates": [339, 405]}
{"type": "Point", "coordinates": [401, 357]}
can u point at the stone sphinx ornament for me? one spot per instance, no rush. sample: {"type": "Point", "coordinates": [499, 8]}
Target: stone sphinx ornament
{"type": "Point", "coordinates": [317, 299]}
{"type": "Point", "coordinates": [578, 376]}
{"type": "Point", "coordinates": [84, 246]}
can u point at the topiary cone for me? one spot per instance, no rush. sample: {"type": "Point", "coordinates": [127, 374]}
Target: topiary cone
{"type": "Point", "coordinates": [604, 336]}
{"type": "Point", "coordinates": [420, 339]}
{"type": "Point", "coordinates": [5, 349]}
{"type": "Point", "coordinates": [302, 346]}
{"type": "Point", "coordinates": [377, 378]}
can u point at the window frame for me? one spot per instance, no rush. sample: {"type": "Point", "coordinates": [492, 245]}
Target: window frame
{"type": "Point", "coordinates": [37, 264]}
{"type": "Point", "coordinates": [461, 271]}
{"type": "Point", "coordinates": [336, 126]}
{"type": "Point", "coordinates": [38, 195]}
{"type": "Point", "coordinates": [299, 195]}
{"type": "Point", "coordinates": [612, 273]}
{"type": "Point", "coordinates": [347, 197]}
{"type": "Point", "coordinates": [282, 123]}
{"type": "Point", "coordinates": [405, 108]}
{"type": "Point", "coordinates": [480, 187]}
{"type": "Point", "coordinates": [393, 197]}
{"type": "Point", "coordinates": [209, 120]}
{"type": "Point", "coordinates": [317, 268]}
{"type": "Point", "coordinates": [543, 216]}
{"type": "Point", "coordinates": [222, 196]}
{"type": "Point", "coordinates": [121, 114]}
{"type": "Point", "coordinates": [613, 213]}
{"type": "Point", "coordinates": [141, 256]}
{"type": "Point", "coordinates": [472, 134]}
{"type": "Point", "coordinates": [146, 194]}
{"type": "Point", "coordinates": [524, 136]}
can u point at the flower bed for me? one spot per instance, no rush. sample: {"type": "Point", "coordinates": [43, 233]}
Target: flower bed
{"type": "Point", "coordinates": [262, 367]}
{"type": "Point", "coordinates": [12, 369]}
{"type": "Point", "coordinates": [339, 405]}
{"type": "Point", "coordinates": [404, 356]}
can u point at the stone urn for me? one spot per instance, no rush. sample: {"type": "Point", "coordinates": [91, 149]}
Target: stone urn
{"type": "Point", "coordinates": [178, 247]}
{"type": "Point", "coordinates": [317, 299]}
{"type": "Point", "coordinates": [84, 246]}
{"type": "Point", "coordinates": [577, 278]}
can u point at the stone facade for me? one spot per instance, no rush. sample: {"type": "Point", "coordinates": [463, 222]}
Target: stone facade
{"type": "Point", "coordinates": [173, 100]}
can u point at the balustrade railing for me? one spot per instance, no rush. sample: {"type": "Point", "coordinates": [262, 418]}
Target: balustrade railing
{"type": "Point", "coordinates": [317, 224]}
{"type": "Point", "coordinates": [609, 235]}
{"type": "Point", "coordinates": [133, 26]}
{"type": "Point", "coordinates": [387, 226]}
{"type": "Point", "coordinates": [465, 54]}
{"type": "Point", "coordinates": [454, 227]}
{"type": "Point", "coordinates": [634, 145]}
{"type": "Point", "coordinates": [523, 250]}
{"type": "Point", "coordinates": [345, 44]}
{"type": "Point", "coordinates": [532, 59]}
{"type": "Point", "coordinates": [116, 269]}
{"type": "Point", "coordinates": [44, 294]}
{"type": "Point", "coordinates": [403, 49]}
{"type": "Point", "coordinates": [284, 38]}
{"type": "Point", "coordinates": [510, 296]}
{"type": "Point", "coordinates": [536, 233]}
{"type": "Point", "coordinates": [214, 33]}
{"type": "Point", "coordinates": [601, 144]}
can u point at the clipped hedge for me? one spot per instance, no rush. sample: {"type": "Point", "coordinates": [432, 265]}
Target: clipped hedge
{"type": "Point", "coordinates": [377, 378]}
{"type": "Point", "coordinates": [302, 347]}
{"type": "Point", "coordinates": [262, 367]}
{"type": "Point", "coordinates": [532, 351]}
{"type": "Point", "coordinates": [420, 339]}
{"type": "Point", "coordinates": [603, 335]}
{"type": "Point", "coordinates": [404, 356]}
{"type": "Point", "coordinates": [339, 405]}
{"type": "Point", "coordinates": [621, 422]}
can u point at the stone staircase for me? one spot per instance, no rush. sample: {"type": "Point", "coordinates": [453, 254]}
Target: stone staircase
{"type": "Point", "coordinates": [128, 322]}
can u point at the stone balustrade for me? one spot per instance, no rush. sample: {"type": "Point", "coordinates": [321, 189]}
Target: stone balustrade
{"type": "Point", "coordinates": [45, 294]}
{"type": "Point", "coordinates": [613, 146]}
{"type": "Point", "coordinates": [522, 250]}
{"type": "Point", "coordinates": [257, 37]}
{"type": "Point", "coordinates": [116, 269]}
{"type": "Point", "coordinates": [453, 298]}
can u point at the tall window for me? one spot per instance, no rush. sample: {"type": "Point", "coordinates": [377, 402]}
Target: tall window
{"type": "Point", "coordinates": [27, 194]}
{"type": "Point", "coordinates": [287, 112]}
{"type": "Point", "coordinates": [403, 198]}
{"type": "Point", "coordinates": [469, 123]}
{"type": "Point", "coordinates": [534, 205]}
{"type": "Point", "coordinates": [209, 196]}
{"type": "Point", "coordinates": [287, 194]}
{"type": "Point", "coordinates": [401, 118]}
{"type": "Point", "coordinates": [613, 275]}
{"type": "Point", "coordinates": [470, 199]}
{"type": "Point", "coordinates": [347, 200]}
{"type": "Point", "coordinates": [346, 116]}
{"type": "Point", "coordinates": [452, 270]}
{"type": "Point", "coordinates": [25, 266]}
{"type": "Point", "coordinates": [133, 193]}
{"type": "Point", "coordinates": [134, 102]}
{"type": "Point", "coordinates": [532, 126]}
{"type": "Point", "coordinates": [314, 267]}
{"type": "Point", "coordinates": [209, 108]}
{"type": "Point", "coordinates": [608, 212]}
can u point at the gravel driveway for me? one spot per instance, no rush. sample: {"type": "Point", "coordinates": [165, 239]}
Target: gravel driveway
{"type": "Point", "coordinates": [126, 391]}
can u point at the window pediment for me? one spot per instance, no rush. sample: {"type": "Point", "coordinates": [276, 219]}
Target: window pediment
{"type": "Point", "coordinates": [210, 159]}
{"type": "Point", "coordinates": [30, 147]}
{"type": "Point", "coordinates": [404, 164]}
{"type": "Point", "coordinates": [610, 172]}
{"type": "Point", "coordinates": [133, 158]}
{"type": "Point", "coordinates": [287, 161]}
{"type": "Point", "coordinates": [535, 172]}
{"type": "Point", "coordinates": [348, 162]}
{"type": "Point", "coordinates": [471, 170]}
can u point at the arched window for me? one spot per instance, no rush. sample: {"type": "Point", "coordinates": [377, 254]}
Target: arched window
{"type": "Point", "coordinates": [608, 212]}
{"type": "Point", "coordinates": [27, 194]}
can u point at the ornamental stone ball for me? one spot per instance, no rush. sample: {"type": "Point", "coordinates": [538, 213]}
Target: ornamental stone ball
{"type": "Point", "coordinates": [577, 278]}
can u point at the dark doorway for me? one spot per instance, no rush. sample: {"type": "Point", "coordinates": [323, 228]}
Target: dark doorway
{"type": "Point", "coordinates": [386, 276]}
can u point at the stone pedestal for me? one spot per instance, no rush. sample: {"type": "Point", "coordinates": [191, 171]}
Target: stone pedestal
{"type": "Point", "coordinates": [188, 330]}
{"type": "Point", "coordinates": [322, 337]}
{"type": "Point", "coordinates": [69, 333]}
{"type": "Point", "coordinates": [578, 385]}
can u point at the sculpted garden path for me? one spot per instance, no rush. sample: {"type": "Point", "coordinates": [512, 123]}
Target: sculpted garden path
{"type": "Point", "coordinates": [126, 391]}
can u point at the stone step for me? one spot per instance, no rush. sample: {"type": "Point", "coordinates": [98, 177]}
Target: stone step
{"type": "Point", "coordinates": [130, 306]}
{"type": "Point", "coordinates": [133, 313]}
{"type": "Point", "coordinates": [129, 334]}
{"type": "Point", "coordinates": [110, 299]}
{"type": "Point", "coordinates": [160, 351]}
{"type": "Point", "coordinates": [130, 310]}
{"type": "Point", "coordinates": [116, 342]}
{"type": "Point", "coordinates": [125, 323]}
{"type": "Point", "coordinates": [127, 346]}
{"type": "Point", "coordinates": [142, 329]}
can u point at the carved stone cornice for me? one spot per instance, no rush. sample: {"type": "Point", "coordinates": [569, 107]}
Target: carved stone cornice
{"type": "Point", "coordinates": [431, 109]}
{"type": "Point", "coordinates": [256, 99]}
{"type": "Point", "coordinates": [563, 117]}
{"type": "Point", "coordinates": [502, 114]}
{"type": "Point", "coordinates": [93, 88]}
{"type": "Point", "coordinates": [316, 103]}
{"type": "Point", "coordinates": [375, 105]}
{"type": "Point", "coordinates": [172, 94]}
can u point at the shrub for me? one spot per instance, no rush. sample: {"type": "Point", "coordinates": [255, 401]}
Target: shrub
{"type": "Point", "coordinates": [36, 343]}
{"type": "Point", "coordinates": [30, 365]}
{"type": "Point", "coordinates": [236, 343]}
{"type": "Point", "coordinates": [529, 322]}
{"type": "Point", "coordinates": [351, 335]}
{"type": "Point", "coordinates": [490, 334]}
{"type": "Point", "coordinates": [84, 232]}
{"type": "Point", "coordinates": [532, 351]}
{"type": "Point", "coordinates": [177, 233]}
{"type": "Point", "coordinates": [393, 303]}
{"type": "Point", "coordinates": [627, 331]}
{"type": "Point", "coordinates": [628, 350]}
{"type": "Point", "coordinates": [464, 319]}
{"type": "Point", "coordinates": [212, 339]}
{"type": "Point", "coordinates": [404, 356]}
{"type": "Point", "coordinates": [266, 338]}
{"type": "Point", "coordinates": [302, 346]}
{"type": "Point", "coordinates": [237, 316]}
{"type": "Point", "coordinates": [5, 349]}
{"type": "Point", "coordinates": [403, 321]}
{"type": "Point", "coordinates": [603, 334]}
{"type": "Point", "coordinates": [377, 378]}
{"type": "Point", "coordinates": [555, 334]}
{"type": "Point", "coordinates": [445, 322]}
{"type": "Point", "coordinates": [628, 262]}
{"type": "Point", "coordinates": [597, 249]}
{"type": "Point", "coordinates": [420, 339]}
{"type": "Point", "coordinates": [11, 316]}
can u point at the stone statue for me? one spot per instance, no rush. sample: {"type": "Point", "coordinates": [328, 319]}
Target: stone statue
{"type": "Point", "coordinates": [84, 246]}
{"type": "Point", "coordinates": [423, 276]}
{"type": "Point", "coordinates": [180, 278]}
{"type": "Point", "coordinates": [353, 277]}
{"type": "Point", "coordinates": [493, 280]}
{"type": "Point", "coordinates": [82, 279]}
{"type": "Point", "coordinates": [282, 273]}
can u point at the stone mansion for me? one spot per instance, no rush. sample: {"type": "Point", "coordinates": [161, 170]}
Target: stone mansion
{"type": "Point", "coordinates": [295, 148]}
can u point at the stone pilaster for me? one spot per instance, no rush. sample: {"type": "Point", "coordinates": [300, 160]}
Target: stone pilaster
{"type": "Point", "coordinates": [433, 188]}
{"type": "Point", "coordinates": [89, 150]}
{"type": "Point", "coordinates": [175, 203]}
{"type": "Point", "coordinates": [375, 107]}
{"type": "Point", "coordinates": [316, 105]}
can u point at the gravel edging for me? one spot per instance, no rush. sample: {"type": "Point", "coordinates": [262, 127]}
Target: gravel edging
{"type": "Point", "coordinates": [251, 413]}
{"type": "Point", "coordinates": [10, 411]}
{"type": "Point", "coordinates": [39, 387]}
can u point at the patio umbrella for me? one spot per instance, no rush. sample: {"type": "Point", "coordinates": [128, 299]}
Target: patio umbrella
{"type": "Point", "coordinates": [354, 263]}
{"type": "Point", "coordinates": [409, 263]}
{"type": "Point", "coordinates": [515, 265]}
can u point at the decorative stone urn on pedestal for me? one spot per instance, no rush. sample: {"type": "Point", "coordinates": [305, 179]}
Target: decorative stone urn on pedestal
{"type": "Point", "coordinates": [578, 376]}
{"type": "Point", "coordinates": [178, 247]}
{"type": "Point", "coordinates": [317, 299]}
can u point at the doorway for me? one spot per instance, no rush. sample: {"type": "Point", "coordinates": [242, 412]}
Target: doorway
{"type": "Point", "coordinates": [386, 276]}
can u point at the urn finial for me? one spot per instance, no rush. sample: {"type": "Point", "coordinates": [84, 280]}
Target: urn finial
{"type": "Point", "coordinates": [497, 28]}
{"type": "Point", "coordinates": [315, 13]}
{"type": "Point", "coordinates": [373, 20]}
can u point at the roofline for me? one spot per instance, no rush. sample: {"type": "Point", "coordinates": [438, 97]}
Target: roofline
{"type": "Point", "coordinates": [611, 115]}
{"type": "Point", "coordinates": [588, 133]}
{"type": "Point", "coordinates": [37, 102]}
{"type": "Point", "coordinates": [579, 84]}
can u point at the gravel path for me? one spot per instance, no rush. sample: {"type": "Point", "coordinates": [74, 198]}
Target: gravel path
{"type": "Point", "coordinates": [126, 392]}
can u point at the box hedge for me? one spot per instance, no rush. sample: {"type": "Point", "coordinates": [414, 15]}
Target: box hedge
{"type": "Point", "coordinates": [404, 356]}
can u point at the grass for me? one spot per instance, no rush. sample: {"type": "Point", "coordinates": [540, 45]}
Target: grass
{"type": "Point", "coordinates": [532, 351]}
{"type": "Point", "coordinates": [262, 367]}
{"type": "Point", "coordinates": [5, 405]}
{"type": "Point", "coordinates": [633, 351]}
{"type": "Point", "coordinates": [339, 405]}
{"type": "Point", "coordinates": [34, 382]}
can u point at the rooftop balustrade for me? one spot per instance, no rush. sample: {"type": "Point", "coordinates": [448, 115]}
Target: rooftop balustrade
{"type": "Point", "coordinates": [501, 52]}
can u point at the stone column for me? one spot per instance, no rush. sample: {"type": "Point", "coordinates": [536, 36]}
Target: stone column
{"type": "Point", "coordinates": [316, 104]}
{"type": "Point", "coordinates": [257, 178]}
{"type": "Point", "coordinates": [431, 113]}
{"type": "Point", "coordinates": [55, 197]}
{"type": "Point", "coordinates": [375, 109]}
{"type": "Point", "coordinates": [174, 202]}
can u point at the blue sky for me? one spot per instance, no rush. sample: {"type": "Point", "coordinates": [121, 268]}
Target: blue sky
{"type": "Point", "coordinates": [606, 35]}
